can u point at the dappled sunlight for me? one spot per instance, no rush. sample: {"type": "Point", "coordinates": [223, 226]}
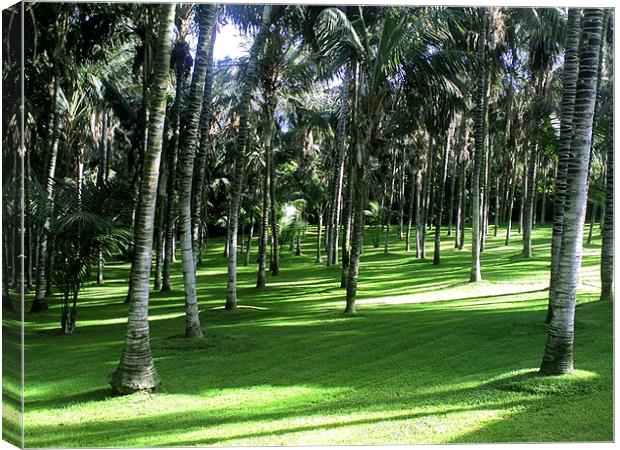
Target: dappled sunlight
{"type": "Point", "coordinates": [288, 367]}
{"type": "Point", "coordinates": [464, 291]}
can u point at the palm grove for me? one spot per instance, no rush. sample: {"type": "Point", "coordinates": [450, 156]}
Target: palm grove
{"type": "Point", "coordinates": [450, 123]}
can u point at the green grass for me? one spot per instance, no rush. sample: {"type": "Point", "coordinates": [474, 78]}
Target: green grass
{"type": "Point", "coordinates": [429, 358]}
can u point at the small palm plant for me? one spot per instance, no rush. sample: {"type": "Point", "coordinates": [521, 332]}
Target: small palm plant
{"type": "Point", "coordinates": [86, 223]}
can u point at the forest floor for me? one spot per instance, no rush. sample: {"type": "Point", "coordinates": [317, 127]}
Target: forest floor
{"type": "Point", "coordinates": [429, 358]}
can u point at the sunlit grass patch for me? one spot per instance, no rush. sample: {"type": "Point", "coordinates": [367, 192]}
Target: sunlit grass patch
{"type": "Point", "coordinates": [429, 358]}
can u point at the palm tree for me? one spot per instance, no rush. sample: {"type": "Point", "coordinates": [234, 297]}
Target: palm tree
{"type": "Point", "coordinates": [87, 223]}
{"type": "Point", "coordinates": [249, 83]}
{"type": "Point", "coordinates": [558, 356]}
{"type": "Point", "coordinates": [61, 28]}
{"type": "Point", "coordinates": [188, 144]}
{"type": "Point", "coordinates": [545, 25]}
{"type": "Point", "coordinates": [180, 57]}
{"type": "Point", "coordinates": [264, 231]}
{"type": "Point", "coordinates": [441, 188]}
{"type": "Point", "coordinates": [136, 370]}
{"type": "Point", "coordinates": [607, 245]}
{"type": "Point", "coordinates": [338, 176]}
{"type": "Point", "coordinates": [569, 83]}
{"type": "Point", "coordinates": [379, 50]}
{"type": "Point", "coordinates": [206, 140]}
{"type": "Point", "coordinates": [479, 150]}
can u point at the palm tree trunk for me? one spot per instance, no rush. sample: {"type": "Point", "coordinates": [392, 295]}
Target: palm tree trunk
{"type": "Point", "coordinates": [388, 213]}
{"type": "Point", "coordinates": [169, 247]}
{"type": "Point", "coordinates": [464, 205]}
{"type": "Point", "coordinates": [484, 182]}
{"type": "Point", "coordinates": [451, 201]}
{"type": "Point", "coordinates": [528, 216]}
{"type": "Point", "coordinates": [249, 83]}
{"type": "Point", "coordinates": [441, 191]}
{"type": "Point", "coordinates": [419, 201]}
{"type": "Point", "coordinates": [39, 303]}
{"type": "Point", "coordinates": [248, 245]}
{"type": "Point", "coordinates": [28, 225]}
{"type": "Point", "coordinates": [357, 236]}
{"type": "Point", "coordinates": [338, 177]}
{"type": "Point", "coordinates": [558, 355]}
{"type": "Point", "coordinates": [205, 141]}
{"type": "Point", "coordinates": [569, 83]}
{"type": "Point", "coordinates": [412, 207]}
{"type": "Point", "coordinates": [401, 196]}
{"type": "Point", "coordinates": [347, 220]}
{"type": "Point", "coordinates": [102, 176]}
{"type": "Point", "coordinates": [188, 144]}
{"type": "Point", "coordinates": [497, 208]}
{"type": "Point", "coordinates": [511, 198]}
{"type": "Point", "coordinates": [274, 263]}
{"type": "Point", "coordinates": [460, 185]}
{"type": "Point", "coordinates": [318, 239]}
{"type": "Point", "coordinates": [136, 370]}
{"type": "Point", "coordinates": [19, 252]}
{"type": "Point", "coordinates": [593, 215]}
{"type": "Point", "coordinates": [428, 181]}
{"type": "Point", "coordinates": [607, 245]}
{"type": "Point", "coordinates": [264, 234]}
{"type": "Point", "coordinates": [160, 209]}
{"type": "Point", "coordinates": [479, 150]}
{"type": "Point", "coordinates": [543, 199]}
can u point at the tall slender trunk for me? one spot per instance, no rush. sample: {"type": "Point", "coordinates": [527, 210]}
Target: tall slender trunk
{"type": "Point", "coordinates": [136, 370]}
{"type": "Point", "coordinates": [19, 253]}
{"type": "Point", "coordinates": [401, 196]}
{"type": "Point", "coordinates": [28, 225]}
{"type": "Point", "coordinates": [593, 215]}
{"type": "Point", "coordinates": [169, 247]}
{"type": "Point", "coordinates": [484, 182]}
{"type": "Point", "coordinates": [338, 177]}
{"type": "Point", "coordinates": [102, 176]}
{"type": "Point", "coordinates": [39, 303]}
{"type": "Point", "coordinates": [451, 200]}
{"type": "Point", "coordinates": [147, 66]}
{"type": "Point", "coordinates": [479, 150]}
{"type": "Point", "coordinates": [160, 212]}
{"type": "Point", "coordinates": [264, 232]}
{"type": "Point", "coordinates": [318, 239]}
{"type": "Point", "coordinates": [419, 207]}
{"type": "Point", "coordinates": [496, 218]}
{"type": "Point", "coordinates": [274, 263]}
{"type": "Point", "coordinates": [249, 82]}
{"type": "Point", "coordinates": [460, 185]}
{"type": "Point", "coordinates": [412, 207]}
{"type": "Point", "coordinates": [428, 181]}
{"type": "Point", "coordinates": [248, 246]}
{"type": "Point", "coordinates": [441, 191]}
{"type": "Point", "coordinates": [569, 83]}
{"type": "Point", "coordinates": [388, 213]}
{"type": "Point", "coordinates": [528, 216]}
{"type": "Point", "coordinates": [357, 236]}
{"type": "Point", "coordinates": [511, 198]}
{"type": "Point", "coordinates": [607, 245]}
{"type": "Point", "coordinates": [558, 355]}
{"type": "Point", "coordinates": [463, 205]}
{"type": "Point", "coordinates": [205, 141]}
{"type": "Point", "coordinates": [543, 199]}
{"type": "Point", "coordinates": [603, 206]}
{"type": "Point", "coordinates": [347, 221]}
{"type": "Point", "coordinates": [187, 147]}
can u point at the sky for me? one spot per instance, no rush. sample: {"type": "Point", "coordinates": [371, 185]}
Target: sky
{"type": "Point", "coordinates": [229, 43]}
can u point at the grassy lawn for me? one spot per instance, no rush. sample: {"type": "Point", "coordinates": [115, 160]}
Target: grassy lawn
{"type": "Point", "coordinates": [429, 358]}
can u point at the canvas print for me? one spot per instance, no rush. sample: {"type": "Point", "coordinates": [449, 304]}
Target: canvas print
{"type": "Point", "coordinates": [258, 225]}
